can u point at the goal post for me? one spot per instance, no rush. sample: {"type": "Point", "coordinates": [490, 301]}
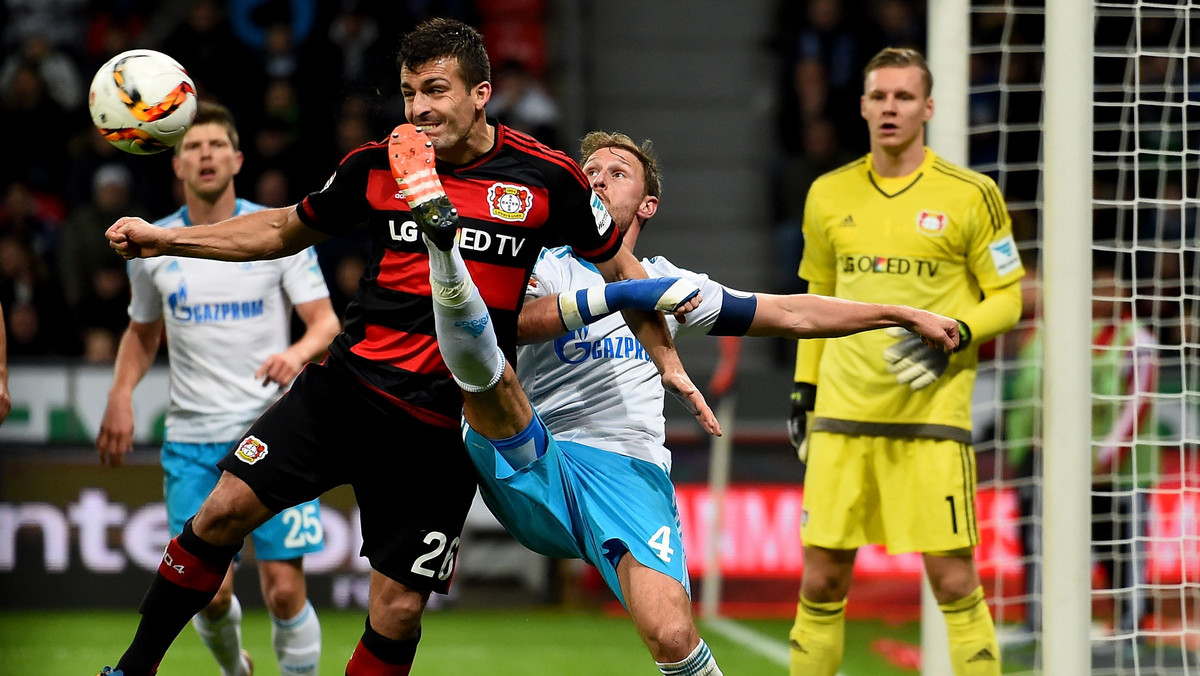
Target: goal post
{"type": "Point", "coordinates": [1066, 235]}
{"type": "Point", "coordinates": [1087, 114]}
{"type": "Point", "coordinates": [947, 134]}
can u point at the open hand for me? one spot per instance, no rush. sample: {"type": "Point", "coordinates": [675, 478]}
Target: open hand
{"type": "Point", "coordinates": [679, 384]}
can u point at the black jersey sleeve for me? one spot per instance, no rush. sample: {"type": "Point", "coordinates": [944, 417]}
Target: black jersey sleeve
{"type": "Point", "coordinates": [342, 204]}
{"type": "Point", "coordinates": [571, 209]}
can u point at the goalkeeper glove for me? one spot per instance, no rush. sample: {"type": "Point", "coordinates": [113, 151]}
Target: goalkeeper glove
{"type": "Point", "coordinates": [804, 399]}
{"type": "Point", "coordinates": [917, 364]}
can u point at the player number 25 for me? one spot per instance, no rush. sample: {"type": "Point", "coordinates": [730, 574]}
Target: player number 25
{"type": "Point", "coordinates": [303, 526]}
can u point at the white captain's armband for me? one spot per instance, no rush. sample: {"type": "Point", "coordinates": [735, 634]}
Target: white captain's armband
{"type": "Point", "coordinates": [1004, 255]}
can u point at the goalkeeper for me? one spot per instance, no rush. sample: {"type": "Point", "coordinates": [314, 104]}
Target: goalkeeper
{"type": "Point", "coordinates": [884, 421]}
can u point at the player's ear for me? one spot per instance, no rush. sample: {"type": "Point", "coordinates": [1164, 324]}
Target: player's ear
{"type": "Point", "coordinates": [648, 207]}
{"type": "Point", "coordinates": [928, 108]}
{"type": "Point", "coordinates": [862, 106]}
{"type": "Point", "coordinates": [175, 165]}
{"type": "Point", "coordinates": [238, 158]}
{"type": "Point", "coordinates": [482, 93]}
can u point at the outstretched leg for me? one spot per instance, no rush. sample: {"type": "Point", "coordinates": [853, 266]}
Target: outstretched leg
{"type": "Point", "coordinates": [494, 403]}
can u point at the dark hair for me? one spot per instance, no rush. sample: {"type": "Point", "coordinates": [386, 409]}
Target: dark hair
{"type": "Point", "coordinates": [644, 152]}
{"type": "Point", "coordinates": [901, 57]}
{"type": "Point", "coordinates": [441, 37]}
{"type": "Point", "coordinates": [215, 113]}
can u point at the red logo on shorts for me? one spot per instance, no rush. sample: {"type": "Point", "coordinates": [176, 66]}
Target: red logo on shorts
{"type": "Point", "coordinates": [251, 450]}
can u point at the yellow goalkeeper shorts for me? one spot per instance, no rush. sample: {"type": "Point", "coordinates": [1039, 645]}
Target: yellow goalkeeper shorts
{"type": "Point", "coordinates": [912, 495]}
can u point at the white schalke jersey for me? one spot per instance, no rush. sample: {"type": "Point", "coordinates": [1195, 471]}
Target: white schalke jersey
{"type": "Point", "coordinates": [222, 320]}
{"type": "Point", "coordinates": [596, 385]}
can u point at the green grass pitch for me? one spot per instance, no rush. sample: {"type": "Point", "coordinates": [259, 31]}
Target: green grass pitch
{"type": "Point", "coordinates": [519, 642]}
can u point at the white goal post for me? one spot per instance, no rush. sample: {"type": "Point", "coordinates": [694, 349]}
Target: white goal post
{"type": "Point", "coordinates": [1066, 235]}
{"type": "Point", "coordinates": [1087, 114]}
{"type": "Point", "coordinates": [1067, 179]}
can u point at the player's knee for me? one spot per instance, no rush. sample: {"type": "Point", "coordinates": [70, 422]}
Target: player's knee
{"type": "Point", "coordinates": [951, 577]}
{"type": "Point", "coordinates": [228, 514]}
{"type": "Point", "coordinates": [824, 585]}
{"type": "Point", "coordinates": [283, 596]}
{"type": "Point", "coordinates": [672, 641]}
{"type": "Point", "coordinates": [953, 587]}
{"type": "Point", "coordinates": [396, 612]}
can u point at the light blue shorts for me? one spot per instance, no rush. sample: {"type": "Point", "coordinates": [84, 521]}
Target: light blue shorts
{"type": "Point", "coordinates": [580, 502]}
{"type": "Point", "coordinates": [190, 473]}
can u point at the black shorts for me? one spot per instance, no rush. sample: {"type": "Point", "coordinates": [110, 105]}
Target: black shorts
{"type": "Point", "coordinates": [413, 481]}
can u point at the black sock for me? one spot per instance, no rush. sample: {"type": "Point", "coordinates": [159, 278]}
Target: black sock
{"type": "Point", "coordinates": [187, 580]}
{"type": "Point", "coordinates": [389, 650]}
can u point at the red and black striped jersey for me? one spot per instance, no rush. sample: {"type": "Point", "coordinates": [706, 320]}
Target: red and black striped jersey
{"type": "Point", "coordinates": [511, 201]}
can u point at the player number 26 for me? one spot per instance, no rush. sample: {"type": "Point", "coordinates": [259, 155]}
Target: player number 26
{"type": "Point", "coordinates": [303, 526]}
{"type": "Point", "coordinates": [438, 540]}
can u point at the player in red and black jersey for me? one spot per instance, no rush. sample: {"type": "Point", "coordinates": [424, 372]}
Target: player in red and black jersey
{"type": "Point", "coordinates": [511, 200]}
{"type": "Point", "coordinates": [382, 412]}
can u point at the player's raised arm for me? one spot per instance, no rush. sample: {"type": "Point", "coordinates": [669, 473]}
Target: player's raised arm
{"type": "Point", "coordinates": [549, 317]}
{"type": "Point", "coordinates": [266, 234]}
{"type": "Point", "coordinates": [814, 316]}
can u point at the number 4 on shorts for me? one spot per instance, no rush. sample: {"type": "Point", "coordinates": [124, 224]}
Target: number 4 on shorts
{"type": "Point", "coordinates": [661, 543]}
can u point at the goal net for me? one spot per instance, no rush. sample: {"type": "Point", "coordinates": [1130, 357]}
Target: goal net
{"type": "Point", "coordinates": [1145, 333]}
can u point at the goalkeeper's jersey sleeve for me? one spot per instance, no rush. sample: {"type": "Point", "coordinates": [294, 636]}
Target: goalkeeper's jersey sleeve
{"type": "Point", "coordinates": [938, 239]}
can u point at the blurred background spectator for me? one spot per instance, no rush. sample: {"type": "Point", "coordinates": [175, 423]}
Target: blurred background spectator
{"type": "Point", "coordinates": [520, 100]}
{"type": "Point", "coordinates": [83, 250]}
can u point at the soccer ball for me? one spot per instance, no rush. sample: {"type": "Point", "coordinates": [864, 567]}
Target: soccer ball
{"type": "Point", "coordinates": [142, 101]}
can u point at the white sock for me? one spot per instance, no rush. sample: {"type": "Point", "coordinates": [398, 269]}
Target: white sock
{"type": "Point", "coordinates": [464, 328]}
{"type": "Point", "coordinates": [699, 663]}
{"type": "Point", "coordinates": [298, 642]}
{"type": "Point", "coordinates": [447, 274]}
{"type": "Point", "coordinates": [223, 637]}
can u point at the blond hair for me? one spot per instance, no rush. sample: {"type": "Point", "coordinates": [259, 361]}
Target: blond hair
{"type": "Point", "coordinates": [644, 152]}
{"type": "Point", "coordinates": [901, 57]}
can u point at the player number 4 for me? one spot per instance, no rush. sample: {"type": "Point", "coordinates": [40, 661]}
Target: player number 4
{"type": "Point", "coordinates": [661, 543]}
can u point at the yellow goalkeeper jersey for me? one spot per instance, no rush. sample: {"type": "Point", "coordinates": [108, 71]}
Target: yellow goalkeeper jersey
{"type": "Point", "coordinates": [939, 239]}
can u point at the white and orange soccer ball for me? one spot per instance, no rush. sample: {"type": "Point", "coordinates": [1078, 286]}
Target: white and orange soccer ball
{"type": "Point", "coordinates": [142, 101]}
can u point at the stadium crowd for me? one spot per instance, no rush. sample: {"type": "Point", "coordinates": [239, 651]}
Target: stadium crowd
{"type": "Point", "coordinates": [312, 80]}
{"type": "Point", "coordinates": [307, 81]}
